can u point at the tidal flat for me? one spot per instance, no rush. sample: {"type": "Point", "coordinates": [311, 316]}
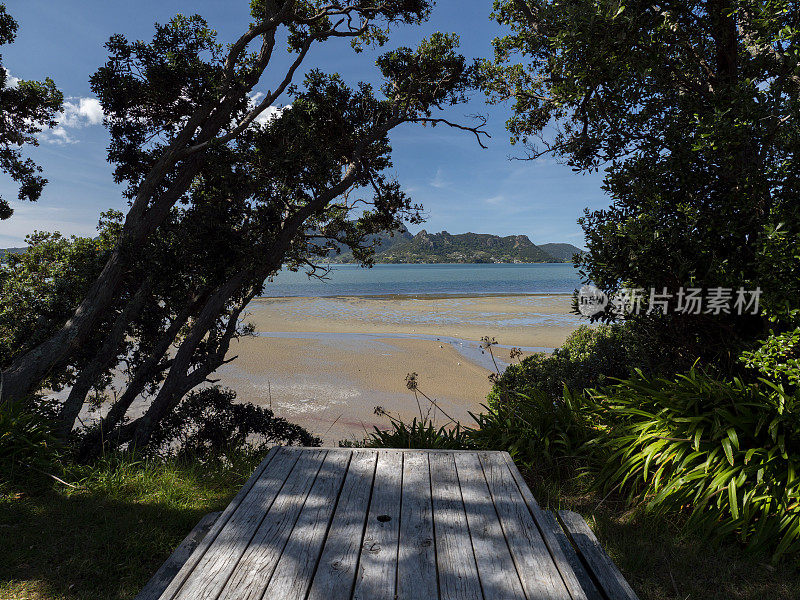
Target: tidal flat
{"type": "Point", "coordinates": [327, 362]}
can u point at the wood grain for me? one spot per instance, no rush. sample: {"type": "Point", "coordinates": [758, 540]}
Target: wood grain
{"type": "Point", "coordinates": [377, 566]}
{"type": "Point", "coordinates": [416, 561]}
{"type": "Point", "coordinates": [458, 573]}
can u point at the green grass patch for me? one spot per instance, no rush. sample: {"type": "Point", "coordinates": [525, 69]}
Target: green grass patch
{"type": "Point", "coordinates": [107, 537]}
{"type": "Point", "coordinates": [659, 557]}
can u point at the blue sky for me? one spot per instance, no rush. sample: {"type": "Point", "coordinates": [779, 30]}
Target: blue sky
{"type": "Point", "coordinates": [462, 187]}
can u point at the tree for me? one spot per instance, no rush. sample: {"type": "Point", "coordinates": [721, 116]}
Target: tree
{"type": "Point", "coordinates": [172, 104]}
{"type": "Point", "coordinates": [26, 107]}
{"type": "Point", "coordinates": [691, 109]}
{"type": "Point", "coordinates": [286, 192]}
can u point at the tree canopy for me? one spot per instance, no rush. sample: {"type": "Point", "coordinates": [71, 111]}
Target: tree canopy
{"type": "Point", "coordinates": [691, 110]}
{"type": "Point", "coordinates": [26, 107]}
{"type": "Point", "coordinates": [286, 191]}
{"type": "Point", "coordinates": [181, 105]}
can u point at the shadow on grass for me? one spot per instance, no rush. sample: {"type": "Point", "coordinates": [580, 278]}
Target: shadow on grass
{"type": "Point", "coordinates": [85, 545]}
{"type": "Point", "coordinates": [659, 559]}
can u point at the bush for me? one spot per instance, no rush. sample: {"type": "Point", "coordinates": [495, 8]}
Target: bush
{"type": "Point", "coordinates": [419, 434]}
{"type": "Point", "coordinates": [25, 440]}
{"type": "Point", "coordinates": [777, 358]}
{"type": "Point", "coordinates": [726, 451]}
{"type": "Point", "coordinates": [535, 429]}
{"type": "Point", "coordinates": [588, 358]}
{"type": "Point", "coordinates": [208, 423]}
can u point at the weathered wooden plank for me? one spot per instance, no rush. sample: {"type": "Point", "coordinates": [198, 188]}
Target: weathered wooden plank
{"type": "Point", "coordinates": [548, 520]}
{"type": "Point", "coordinates": [292, 576]}
{"type": "Point", "coordinates": [335, 575]}
{"type": "Point", "coordinates": [276, 466]}
{"type": "Point", "coordinates": [416, 561]}
{"type": "Point", "coordinates": [603, 568]}
{"type": "Point", "coordinates": [458, 573]}
{"type": "Point", "coordinates": [166, 573]}
{"type": "Point", "coordinates": [498, 575]}
{"type": "Point", "coordinates": [256, 565]}
{"type": "Point", "coordinates": [550, 533]}
{"type": "Point", "coordinates": [377, 566]}
{"type": "Point", "coordinates": [539, 575]}
{"type": "Point", "coordinates": [336, 571]}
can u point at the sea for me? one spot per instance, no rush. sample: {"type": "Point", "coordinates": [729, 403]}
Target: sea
{"type": "Point", "coordinates": [428, 280]}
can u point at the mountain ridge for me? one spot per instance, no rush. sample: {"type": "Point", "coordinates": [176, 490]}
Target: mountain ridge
{"type": "Point", "coordinates": [405, 248]}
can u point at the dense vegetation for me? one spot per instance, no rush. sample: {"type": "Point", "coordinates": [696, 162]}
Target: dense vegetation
{"type": "Point", "coordinates": [28, 107]}
{"type": "Point", "coordinates": [683, 429]}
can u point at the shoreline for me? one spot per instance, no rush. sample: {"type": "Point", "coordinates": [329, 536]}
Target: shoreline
{"type": "Point", "coordinates": [327, 362]}
{"type": "Point", "coordinates": [422, 295]}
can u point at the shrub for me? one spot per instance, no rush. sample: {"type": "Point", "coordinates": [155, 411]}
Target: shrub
{"type": "Point", "coordinates": [208, 423]}
{"type": "Point", "coordinates": [419, 434]}
{"type": "Point", "coordinates": [536, 429]}
{"type": "Point", "coordinates": [725, 450]}
{"type": "Point", "coordinates": [587, 359]}
{"type": "Point", "coordinates": [777, 358]}
{"type": "Point", "coordinates": [25, 440]}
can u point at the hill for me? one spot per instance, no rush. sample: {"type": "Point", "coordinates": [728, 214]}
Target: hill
{"type": "Point", "coordinates": [3, 252]}
{"type": "Point", "coordinates": [562, 252]}
{"type": "Point", "coordinates": [445, 247]}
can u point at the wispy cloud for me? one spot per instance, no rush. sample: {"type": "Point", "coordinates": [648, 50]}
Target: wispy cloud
{"type": "Point", "coordinates": [439, 181]}
{"type": "Point", "coordinates": [31, 217]}
{"type": "Point", "coordinates": [496, 200]}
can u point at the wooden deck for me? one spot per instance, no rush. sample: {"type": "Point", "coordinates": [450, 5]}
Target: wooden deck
{"type": "Point", "coordinates": [340, 524]}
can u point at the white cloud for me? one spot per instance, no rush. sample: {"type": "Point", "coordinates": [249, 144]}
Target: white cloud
{"type": "Point", "coordinates": [268, 113]}
{"type": "Point", "coordinates": [87, 111]}
{"type": "Point", "coordinates": [11, 81]}
{"type": "Point", "coordinates": [77, 113]}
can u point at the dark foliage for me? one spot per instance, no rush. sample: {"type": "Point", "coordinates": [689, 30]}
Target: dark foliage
{"type": "Point", "coordinates": [26, 107]}
{"type": "Point", "coordinates": [208, 422]}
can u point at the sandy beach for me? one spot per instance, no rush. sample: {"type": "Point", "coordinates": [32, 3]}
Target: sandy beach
{"type": "Point", "coordinates": [326, 363]}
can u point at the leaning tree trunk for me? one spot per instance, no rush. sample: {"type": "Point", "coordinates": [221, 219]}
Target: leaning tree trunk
{"type": "Point", "coordinates": [101, 361]}
{"type": "Point", "coordinates": [147, 371]}
{"type": "Point", "coordinates": [178, 379]}
{"type": "Point", "coordinates": [27, 371]}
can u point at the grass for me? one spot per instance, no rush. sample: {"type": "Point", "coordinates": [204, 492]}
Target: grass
{"type": "Point", "coordinates": [106, 538]}
{"type": "Point", "coordinates": [661, 561]}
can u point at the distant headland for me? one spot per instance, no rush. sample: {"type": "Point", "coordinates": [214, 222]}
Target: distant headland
{"type": "Point", "coordinates": [402, 247]}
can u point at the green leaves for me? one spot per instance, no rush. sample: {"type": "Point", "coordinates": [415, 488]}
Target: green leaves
{"type": "Point", "coordinates": [694, 444]}
{"type": "Point", "coordinates": [691, 111]}
{"type": "Point", "coordinates": [430, 75]}
{"type": "Point", "coordinates": [26, 441]}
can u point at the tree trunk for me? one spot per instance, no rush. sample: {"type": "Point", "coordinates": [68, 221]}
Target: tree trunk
{"type": "Point", "coordinates": [93, 443]}
{"type": "Point", "coordinates": [27, 371]}
{"type": "Point", "coordinates": [174, 386]}
{"type": "Point", "coordinates": [101, 361]}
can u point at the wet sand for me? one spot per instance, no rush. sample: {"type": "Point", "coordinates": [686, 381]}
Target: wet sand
{"type": "Point", "coordinates": [326, 363]}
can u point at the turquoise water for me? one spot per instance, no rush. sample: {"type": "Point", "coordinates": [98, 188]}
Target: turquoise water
{"type": "Point", "coordinates": [434, 280]}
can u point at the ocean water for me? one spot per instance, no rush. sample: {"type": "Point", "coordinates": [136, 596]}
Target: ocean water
{"type": "Point", "coordinates": [429, 280]}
